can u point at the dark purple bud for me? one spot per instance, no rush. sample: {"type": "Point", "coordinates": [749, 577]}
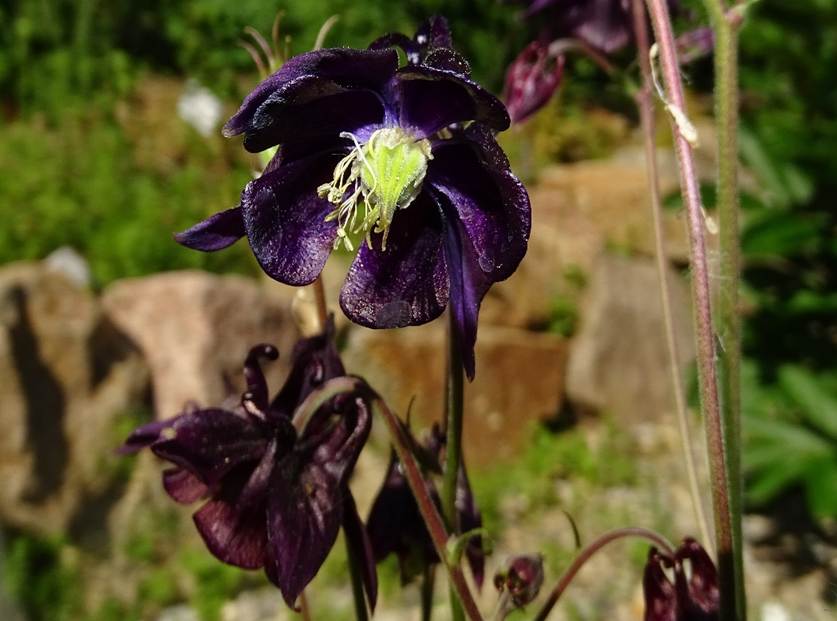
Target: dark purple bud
{"type": "Point", "coordinates": [660, 595]}
{"type": "Point", "coordinates": [523, 579]}
{"type": "Point", "coordinates": [531, 80]}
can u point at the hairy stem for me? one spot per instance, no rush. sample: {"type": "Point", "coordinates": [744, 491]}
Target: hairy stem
{"type": "Point", "coordinates": [727, 318]}
{"type": "Point", "coordinates": [707, 373]}
{"type": "Point", "coordinates": [646, 113]}
{"type": "Point", "coordinates": [454, 409]}
{"type": "Point", "coordinates": [427, 508]}
{"type": "Point", "coordinates": [587, 553]}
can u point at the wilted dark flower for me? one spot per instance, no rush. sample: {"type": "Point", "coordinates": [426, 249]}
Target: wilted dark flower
{"type": "Point", "coordinates": [275, 477]}
{"type": "Point", "coordinates": [396, 526]}
{"type": "Point", "coordinates": [692, 596]}
{"type": "Point", "coordinates": [531, 80]}
{"type": "Point", "coordinates": [401, 160]}
{"type": "Point", "coordinates": [523, 579]}
{"type": "Point", "coordinates": [605, 25]}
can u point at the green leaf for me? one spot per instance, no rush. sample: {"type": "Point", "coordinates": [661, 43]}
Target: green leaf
{"type": "Point", "coordinates": [818, 407]}
{"type": "Point", "coordinates": [821, 488]}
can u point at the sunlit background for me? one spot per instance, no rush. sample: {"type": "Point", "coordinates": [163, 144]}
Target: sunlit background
{"type": "Point", "coordinates": [110, 142]}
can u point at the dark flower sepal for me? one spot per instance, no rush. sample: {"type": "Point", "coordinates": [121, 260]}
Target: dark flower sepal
{"type": "Point", "coordinates": [692, 596]}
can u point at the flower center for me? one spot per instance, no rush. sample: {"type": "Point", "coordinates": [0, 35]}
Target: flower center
{"type": "Point", "coordinates": [381, 176]}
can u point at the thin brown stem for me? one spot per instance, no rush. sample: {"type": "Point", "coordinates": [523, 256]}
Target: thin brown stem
{"type": "Point", "coordinates": [304, 608]}
{"type": "Point", "coordinates": [429, 513]}
{"type": "Point", "coordinates": [588, 552]}
{"type": "Point", "coordinates": [320, 300]}
{"type": "Point", "coordinates": [646, 113]}
{"type": "Point", "coordinates": [705, 336]}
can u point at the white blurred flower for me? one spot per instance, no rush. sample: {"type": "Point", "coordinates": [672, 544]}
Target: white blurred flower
{"type": "Point", "coordinates": [200, 108]}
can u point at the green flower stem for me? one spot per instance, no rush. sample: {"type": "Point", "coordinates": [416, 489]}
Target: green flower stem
{"type": "Point", "coordinates": [587, 553]}
{"type": "Point", "coordinates": [453, 446]}
{"type": "Point", "coordinates": [428, 582]}
{"type": "Point", "coordinates": [646, 112]}
{"type": "Point", "coordinates": [427, 508]}
{"type": "Point", "coordinates": [705, 336]}
{"type": "Point", "coordinates": [361, 613]}
{"type": "Point", "coordinates": [727, 317]}
{"type": "Point", "coordinates": [320, 299]}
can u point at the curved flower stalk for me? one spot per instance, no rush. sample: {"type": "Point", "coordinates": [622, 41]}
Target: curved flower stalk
{"type": "Point", "coordinates": [397, 161]}
{"type": "Point", "coordinates": [395, 525]}
{"type": "Point", "coordinates": [273, 473]}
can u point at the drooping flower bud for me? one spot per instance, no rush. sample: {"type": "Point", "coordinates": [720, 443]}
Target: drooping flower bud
{"type": "Point", "coordinates": [523, 579]}
{"type": "Point", "coordinates": [531, 80]}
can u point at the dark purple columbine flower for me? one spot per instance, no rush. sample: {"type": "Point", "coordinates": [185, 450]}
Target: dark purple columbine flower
{"type": "Point", "coordinates": [531, 80]}
{"type": "Point", "coordinates": [395, 525]}
{"type": "Point", "coordinates": [401, 161]}
{"type": "Point", "coordinates": [693, 596]}
{"type": "Point", "coordinates": [274, 477]}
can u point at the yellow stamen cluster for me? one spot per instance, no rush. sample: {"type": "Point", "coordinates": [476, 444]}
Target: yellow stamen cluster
{"type": "Point", "coordinates": [381, 176]}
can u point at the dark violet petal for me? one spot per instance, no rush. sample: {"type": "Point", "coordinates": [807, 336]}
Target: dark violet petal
{"type": "Point", "coordinates": [145, 436]}
{"type": "Point", "coordinates": [335, 70]}
{"type": "Point", "coordinates": [607, 25]}
{"type": "Point", "coordinates": [307, 491]}
{"type": "Point", "coordinates": [431, 99]}
{"type": "Point", "coordinates": [215, 233]}
{"type": "Point", "coordinates": [361, 548]}
{"type": "Point", "coordinates": [397, 39]}
{"type": "Point", "coordinates": [449, 60]}
{"type": "Point", "coordinates": [314, 361]}
{"type": "Point", "coordinates": [406, 284]}
{"type": "Point", "coordinates": [523, 579]}
{"type": "Point", "coordinates": [434, 32]}
{"type": "Point", "coordinates": [313, 115]}
{"type": "Point", "coordinates": [699, 593]}
{"type": "Point", "coordinates": [491, 204]}
{"type": "Point", "coordinates": [254, 376]}
{"type": "Point", "coordinates": [659, 592]}
{"type": "Point", "coordinates": [285, 219]}
{"type": "Point", "coordinates": [210, 443]}
{"type": "Point", "coordinates": [234, 536]}
{"type": "Point", "coordinates": [531, 80]}
{"type": "Point", "coordinates": [468, 285]}
{"type": "Point", "coordinates": [183, 486]}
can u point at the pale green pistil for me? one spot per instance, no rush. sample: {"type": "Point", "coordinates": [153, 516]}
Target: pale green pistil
{"type": "Point", "coordinates": [381, 176]}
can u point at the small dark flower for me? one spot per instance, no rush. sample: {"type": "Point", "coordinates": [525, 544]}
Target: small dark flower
{"type": "Point", "coordinates": [400, 160]}
{"type": "Point", "coordinates": [275, 484]}
{"type": "Point", "coordinates": [395, 525]}
{"type": "Point", "coordinates": [523, 579]}
{"type": "Point", "coordinates": [692, 596]}
{"type": "Point", "coordinates": [531, 80]}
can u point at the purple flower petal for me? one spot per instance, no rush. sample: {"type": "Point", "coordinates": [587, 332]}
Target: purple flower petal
{"type": "Point", "coordinates": [660, 596]}
{"type": "Point", "coordinates": [335, 70]}
{"type": "Point", "coordinates": [434, 32]}
{"type": "Point", "coordinates": [183, 486]}
{"type": "Point", "coordinates": [698, 592]}
{"type": "Point", "coordinates": [285, 220]}
{"type": "Point", "coordinates": [232, 524]}
{"type": "Point", "coordinates": [490, 202]}
{"type": "Point", "coordinates": [210, 443]}
{"type": "Point", "coordinates": [531, 80]}
{"type": "Point", "coordinates": [305, 505]}
{"type": "Point", "coordinates": [215, 233]}
{"type": "Point", "coordinates": [145, 436]}
{"type": "Point", "coordinates": [406, 284]}
{"type": "Point", "coordinates": [254, 376]}
{"type": "Point", "coordinates": [361, 547]}
{"type": "Point", "coordinates": [431, 99]}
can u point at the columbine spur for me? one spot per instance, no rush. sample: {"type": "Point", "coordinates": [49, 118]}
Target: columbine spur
{"type": "Point", "coordinates": [274, 478]}
{"type": "Point", "coordinates": [398, 161]}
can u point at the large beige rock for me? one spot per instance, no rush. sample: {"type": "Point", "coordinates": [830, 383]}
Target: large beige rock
{"type": "Point", "coordinates": [519, 381]}
{"type": "Point", "coordinates": [196, 328]}
{"type": "Point", "coordinates": [67, 379]}
{"type": "Point", "coordinates": [619, 360]}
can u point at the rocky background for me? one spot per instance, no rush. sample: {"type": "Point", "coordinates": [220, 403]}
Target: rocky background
{"type": "Point", "coordinates": [570, 414]}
